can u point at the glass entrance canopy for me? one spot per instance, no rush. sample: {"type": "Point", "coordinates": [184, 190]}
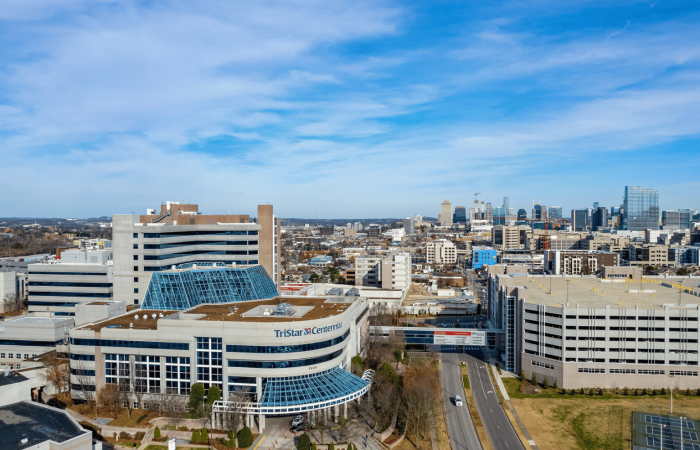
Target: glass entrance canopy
{"type": "Point", "coordinates": [184, 289]}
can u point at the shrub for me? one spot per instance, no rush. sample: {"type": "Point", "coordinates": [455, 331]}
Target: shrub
{"type": "Point", "coordinates": [304, 442]}
{"type": "Point", "coordinates": [600, 391]}
{"type": "Point", "coordinates": [555, 386]}
{"type": "Point", "coordinates": [357, 361]}
{"type": "Point", "coordinates": [139, 436]}
{"type": "Point", "coordinates": [582, 392]}
{"type": "Point", "coordinates": [313, 446]}
{"type": "Point", "coordinates": [654, 392]}
{"type": "Point", "coordinates": [331, 446]}
{"type": "Point", "coordinates": [245, 438]}
{"type": "Point", "coordinates": [697, 392]}
{"type": "Point", "coordinates": [636, 392]}
{"type": "Point", "coordinates": [522, 374]}
{"type": "Point", "coordinates": [124, 435]}
{"type": "Point", "coordinates": [545, 383]}
{"type": "Point", "coordinates": [196, 436]}
{"type": "Point", "coordinates": [397, 355]}
{"type": "Point", "coordinates": [533, 380]}
{"type": "Point", "coordinates": [590, 392]}
{"type": "Point", "coordinates": [644, 391]}
{"type": "Point", "coordinates": [141, 418]}
{"type": "Point", "coordinates": [156, 433]}
{"type": "Point", "coordinates": [563, 391]}
{"type": "Point", "coordinates": [663, 391]}
{"type": "Point", "coordinates": [687, 391]}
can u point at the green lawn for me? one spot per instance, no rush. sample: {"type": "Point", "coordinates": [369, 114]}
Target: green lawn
{"type": "Point", "coordinates": [513, 387]}
{"type": "Point", "coordinates": [465, 378]}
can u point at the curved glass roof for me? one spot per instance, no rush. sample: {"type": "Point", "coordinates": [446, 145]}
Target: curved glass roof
{"type": "Point", "coordinates": [188, 288]}
{"type": "Point", "coordinates": [330, 386]}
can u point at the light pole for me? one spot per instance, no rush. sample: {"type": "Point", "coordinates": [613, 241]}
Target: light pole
{"type": "Point", "coordinates": [671, 377]}
{"type": "Point", "coordinates": [662, 436]}
{"type": "Point", "coordinates": [682, 431]}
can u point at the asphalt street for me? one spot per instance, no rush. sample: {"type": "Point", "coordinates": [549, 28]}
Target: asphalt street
{"type": "Point", "coordinates": [460, 427]}
{"type": "Point", "coordinates": [498, 428]}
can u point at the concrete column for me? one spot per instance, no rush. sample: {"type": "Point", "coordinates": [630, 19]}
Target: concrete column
{"type": "Point", "coordinates": [336, 412]}
{"type": "Point", "coordinates": [345, 410]}
{"type": "Point", "coordinates": [312, 413]}
{"type": "Point", "coordinates": [261, 423]}
{"type": "Point", "coordinates": [213, 419]}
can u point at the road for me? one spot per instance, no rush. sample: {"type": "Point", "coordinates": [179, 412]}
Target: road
{"type": "Point", "coordinates": [460, 427]}
{"type": "Point", "coordinates": [498, 428]}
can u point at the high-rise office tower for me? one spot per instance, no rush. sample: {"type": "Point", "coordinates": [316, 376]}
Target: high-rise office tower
{"type": "Point", "coordinates": [555, 212]}
{"type": "Point", "coordinates": [539, 211]}
{"type": "Point", "coordinates": [460, 215]}
{"type": "Point", "coordinates": [409, 225]}
{"type": "Point", "coordinates": [446, 213]}
{"type": "Point", "coordinates": [676, 220]}
{"type": "Point", "coordinates": [596, 205]}
{"type": "Point", "coordinates": [641, 209]}
{"type": "Point", "coordinates": [579, 219]}
{"type": "Point", "coordinates": [522, 214]}
{"type": "Point", "coordinates": [488, 212]}
{"type": "Point", "coordinates": [600, 218]}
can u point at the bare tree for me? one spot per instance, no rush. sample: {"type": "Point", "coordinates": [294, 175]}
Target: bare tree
{"type": "Point", "coordinates": [384, 400]}
{"type": "Point", "coordinates": [421, 394]}
{"type": "Point", "coordinates": [235, 409]}
{"type": "Point", "coordinates": [83, 384]}
{"type": "Point", "coordinates": [175, 407]}
{"type": "Point", "coordinates": [57, 373]}
{"type": "Point", "coordinates": [110, 397]}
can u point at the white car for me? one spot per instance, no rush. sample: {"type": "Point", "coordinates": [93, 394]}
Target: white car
{"type": "Point", "coordinates": [458, 400]}
{"type": "Point", "coordinates": [298, 420]}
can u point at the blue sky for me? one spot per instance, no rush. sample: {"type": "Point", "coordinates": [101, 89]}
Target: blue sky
{"type": "Point", "coordinates": [345, 108]}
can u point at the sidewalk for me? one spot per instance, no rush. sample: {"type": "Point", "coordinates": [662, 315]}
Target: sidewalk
{"type": "Point", "coordinates": [502, 388]}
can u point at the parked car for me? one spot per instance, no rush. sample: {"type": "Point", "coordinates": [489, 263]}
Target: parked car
{"type": "Point", "coordinates": [298, 420]}
{"type": "Point", "coordinates": [458, 400]}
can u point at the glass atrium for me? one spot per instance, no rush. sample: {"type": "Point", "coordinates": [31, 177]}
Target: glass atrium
{"type": "Point", "coordinates": [184, 289]}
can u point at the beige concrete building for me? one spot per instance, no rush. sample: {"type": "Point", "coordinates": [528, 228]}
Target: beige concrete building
{"type": "Point", "coordinates": [392, 271]}
{"type": "Point", "coordinates": [648, 255]}
{"type": "Point", "coordinates": [445, 218]}
{"type": "Point", "coordinates": [506, 237]}
{"type": "Point", "coordinates": [440, 251]}
{"type": "Point", "coordinates": [590, 332]}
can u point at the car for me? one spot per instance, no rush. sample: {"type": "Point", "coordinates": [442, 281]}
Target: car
{"type": "Point", "coordinates": [458, 400]}
{"type": "Point", "coordinates": [298, 420]}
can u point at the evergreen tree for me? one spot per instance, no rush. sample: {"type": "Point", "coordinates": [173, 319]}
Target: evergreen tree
{"type": "Point", "coordinates": [663, 391]}
{"type": "Point", "coordinates": [304, 442]}
{"type": "Point", "coordinates": [582, 392]}
{"type": "Point", "coordinates": [196, 399]}
{"type": "Point", "coordinates": [555, 386]}
{"type": "Point", "coordinates": [522, 375]}
{"type": "Point", "coordinates": [213, 395]}
{"type": "Point", "coordinates": [687, 391]}
{"type": "Point", "coordinates": [156, 433]}
{"type": "Point", "coordinates": [245, 438]}
{"type": "Point", "coordinates": [534, 378]}
{"type": "Point", "coordinates": [545, 383]}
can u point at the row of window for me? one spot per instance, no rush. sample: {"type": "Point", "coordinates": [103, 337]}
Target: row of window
{"type": "Point", "coordinates": [199, 252]}
{"type": "Point", "coordinates": [169, 266]}
{"type": "Point", "coordinates": [68, 284]}
{"type": "Point", "coordinates": [541, 364]}
{"type": "Point", "coordinates": [287, 348]}
{"type": "Point", "coordinates": [102, 274]}
{"type": "Point", "coordinates": [198, 233]}
{"type": "Point", "coordinates": [17, 355]}
{"type": "Point", "coordinates": [71, 294]}
{"type": "Point", "coordinates": [185, 244]}
{"type": "Point", "coordinates": [129, 344]}
{"type": "Point", "coordinates": [574, 327]}
{"type": "Point", "coordinates": [32, 343]}
{"type": "Point", "coordinates": [284, 364]}
{"type": "Point", "coordinates": [675, 373]}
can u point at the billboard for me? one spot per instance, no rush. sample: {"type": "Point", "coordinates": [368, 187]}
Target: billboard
{"type": "Point", "coordinates": [460, 337]}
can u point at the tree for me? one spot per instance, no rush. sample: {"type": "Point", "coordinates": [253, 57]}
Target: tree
{"type": "Point", "coordinates": [196, 400]}
{"type": "Point", "coordinates": [83, 388]}
{"type": "Point", "coordinates": [582, 391]}
{"type": "Point", "coordinates": [683, 272]}
{"type": "Point", "coordinates": [156, 433]}
{"type": "Point", "coordinates": [57, 373]}
{"type": "Point", "coordinates": [545, 383]}
{"type": "Point", "coordinates": [357, 365]}
{"type": "Point", "coordinates": [522, 374]}
{"type": "Point", "coordinates": [213, 395]}
{"type": "Point", "coordinates": [314, 277]}
{"type": "Point", "coordinates": [304, 442]}
{"type": "Point", "coordinates": [534, 378]}
{"type": "Point", "coordinates": [342, 423]}
{"type": "Point", "coordinates": [234, 410]}
{"type": "Point", "coordinates": [245, 438]}
{"type": "Point", "coordinates": [110, 397]}
{"type": "Point", "coordinates": [555, 384]}
{"type": "Point", "coordinates": [421, 388]}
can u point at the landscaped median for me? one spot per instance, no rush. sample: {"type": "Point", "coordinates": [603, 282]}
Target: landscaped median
{"type": "Point", "coordinates": [590, 419]}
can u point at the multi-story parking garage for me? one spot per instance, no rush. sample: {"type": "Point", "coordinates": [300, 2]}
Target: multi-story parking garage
{"type": "Point", "coordinates": [225, 326]}
{"type": "Point", "coordinates": [592, 332]}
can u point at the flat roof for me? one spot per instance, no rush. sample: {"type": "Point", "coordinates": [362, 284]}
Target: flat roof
{"type": "Point", "coordinates": [37, 424]}
{"type": "Point", "coordinates": [322, 307]}
{"type": "Point", "coordinates": [11, 379]}
{"type": "Point", "coordinates": [607, 292]}
{"type": "Point", "coordinates": [145, 320]}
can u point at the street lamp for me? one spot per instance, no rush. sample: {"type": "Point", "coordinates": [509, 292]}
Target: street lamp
{"type": "Point", "coordinates": [662, 436]}
{"type": "Point", "coordinates": [672, 377]}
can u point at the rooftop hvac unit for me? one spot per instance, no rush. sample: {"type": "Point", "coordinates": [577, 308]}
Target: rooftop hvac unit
{"type": "Point", "coordinates": [154, 316]}
{"type": "Point", "coordinates": [131, 325]}
{"type": "Point", "coordinates": [160, 315]}
{"type": "Point", "coordinates": [136, 317]}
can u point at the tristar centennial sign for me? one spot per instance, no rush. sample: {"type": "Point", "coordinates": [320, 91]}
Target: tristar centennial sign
{"type": "Point", "coordinates": [308, 331]}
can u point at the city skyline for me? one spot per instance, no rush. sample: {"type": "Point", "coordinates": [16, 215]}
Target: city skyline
{"type": "Point", "coordinates": [318, 107]}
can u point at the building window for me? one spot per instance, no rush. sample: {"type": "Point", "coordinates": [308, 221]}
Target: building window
{"type": "Point", "coordinates": [683, 373]}
{"type": "Point", "coordinates": [541, 364]}
{"type": "Point", "coordinates": [136, 235]}
{"type": "Point", "coordinates": [136, 257]}
{"type": "Point", "coordinates": [622, 371]}
{"type": "Point", "coordinates": [209, 362]}
{"type": "Point", "coordinates": [590, 370]}
{"type": "Point", "coordinates": [136, 290]}
{"type": "Point", "coordinates": [136, 268]}
{"type": "Point", "coordinates": [136, 301]}
{"type": "Point", "coordinates": [651, 372]}
{"type": "Point", "coordinates": [136, 246]}
{"type": "Point", "coordinates": [177, 375]}
{"type": "Point", "coordinates": [136, 279]}
{"type": "Point", "coordinates": [147, 373]}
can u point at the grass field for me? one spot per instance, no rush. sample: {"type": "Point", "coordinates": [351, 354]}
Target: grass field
{"type": "Point", "coordinates": [558, 422]}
